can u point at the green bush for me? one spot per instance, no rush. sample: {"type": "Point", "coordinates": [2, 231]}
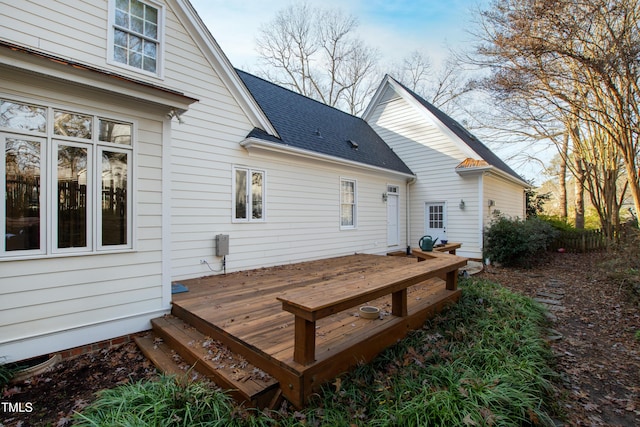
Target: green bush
{"type": "Point", "coordinates": [166, 402]}
{"type": "Point", "coordinates": [482, 362]}
{"type": "Point", "coordinates": [515, 242]}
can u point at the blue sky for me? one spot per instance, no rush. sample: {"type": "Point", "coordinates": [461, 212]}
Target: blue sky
{"type": "Point", "coordinates": [395, 27]}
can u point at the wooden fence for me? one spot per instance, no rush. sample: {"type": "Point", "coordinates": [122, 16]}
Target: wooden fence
{"type": "Point", "coordinates": [581, 241]}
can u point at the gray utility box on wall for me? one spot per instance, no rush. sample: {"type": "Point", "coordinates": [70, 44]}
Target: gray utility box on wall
{"type": "Point", "coordinates": [222, 244]}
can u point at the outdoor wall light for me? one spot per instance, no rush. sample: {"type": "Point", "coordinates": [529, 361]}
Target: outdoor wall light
{"type": "Point", "coordinates": [384, 197]}
{"type": "Point", "coordinates": [491, 203]}
{"type": "Point", "coordinates": [461, 205]}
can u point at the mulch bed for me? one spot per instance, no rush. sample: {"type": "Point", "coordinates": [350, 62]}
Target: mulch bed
{"type": "Point", "coordinates": [598, 355]}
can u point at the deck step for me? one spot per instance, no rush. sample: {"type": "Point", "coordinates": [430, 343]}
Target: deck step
{"type": "Point", "coordinates": [160, 354]}
{"type": "Point", "coordinates": [210, 358]}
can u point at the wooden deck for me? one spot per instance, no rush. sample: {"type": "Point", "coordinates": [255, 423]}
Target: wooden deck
{"type": "Point", "coordinates": [242, 311]}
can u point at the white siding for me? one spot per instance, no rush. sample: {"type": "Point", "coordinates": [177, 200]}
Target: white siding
{"type": "Point", "coordinates": [41, 297]}
{"type": "Point", "coordinates": [53, 303]}
{"type": "Point", "coordinates": [302, 216]}
{"type": "Point", "coordinates": [507, 197]}
{"type": "Point", "coordinates": [71, 29]}
{"type": "Point", "coordinates": [432, 156]}
{"type": "Point", "coordinates": [302, 196]}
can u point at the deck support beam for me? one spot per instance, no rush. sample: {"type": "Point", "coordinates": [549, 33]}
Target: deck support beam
{"type": "Point", "coordinates": [399, 305]}
{"type": "Point", "coordinates": [304, 350]}
{"type": "Point", "coordinates": [452, 280]}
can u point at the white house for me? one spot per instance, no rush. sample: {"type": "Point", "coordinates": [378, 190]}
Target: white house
{"type": "Point", "coordinates": [134, 155]}
{"type": "Point", "coordinates": [460, 183]}
{"type": "Point", "coordinates": [129, 144]}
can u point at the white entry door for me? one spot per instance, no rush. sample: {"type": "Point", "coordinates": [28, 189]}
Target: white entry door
{"type": "Point", "coordinates": [435, 224]}
{"type": "Point", "coordinates": [393, 225]}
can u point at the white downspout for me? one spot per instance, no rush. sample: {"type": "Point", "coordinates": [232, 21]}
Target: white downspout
{"type": "Point", "coordinates": [410, 181]}
{"type": "Point", "coordinates": [167, 142]}
{"type": "Point", "coordinates": [481, 214]}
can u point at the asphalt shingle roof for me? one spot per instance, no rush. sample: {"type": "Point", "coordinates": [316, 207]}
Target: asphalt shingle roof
{"type": "Point", "coordinates": [307, 124]}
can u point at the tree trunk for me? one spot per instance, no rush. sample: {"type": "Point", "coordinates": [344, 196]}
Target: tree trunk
{"type": "Point", "coordinates": [579, 190]}
{"type": "Point", "coordinates": [562, 178]}
{"type": "Point", "coordinates": [633, 178]}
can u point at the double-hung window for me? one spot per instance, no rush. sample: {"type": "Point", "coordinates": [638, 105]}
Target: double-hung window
{"type": "Point", "coordinates": [249, 191]}
{"type": "Point", "coordinates": [135, 37]}
{"type": "Point", "coordinates": [67, 181]}
{"type": "Point", "coordinates": [348, 198]}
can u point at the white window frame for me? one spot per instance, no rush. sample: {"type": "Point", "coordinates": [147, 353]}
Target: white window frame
{"type": "Point", "coordinates": [248, 195]}
{"type": "Point", "coordinates": [49, 183]}
{"type": "Point", "coordinates": [159, 73]}
{"type": "Point", "coordinates": [44, 166]}
{"type": "Point", "coordinates": [354, 205]}
{"type": "Point", "coordinates": [53, 190]}
{"type": "Point", "coordinates": [98, 189]}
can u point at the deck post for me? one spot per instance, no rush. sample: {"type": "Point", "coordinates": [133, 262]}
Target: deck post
{"type": "Point", "coordinates": [452, 280]}
{"type": "Point", "coordinates": [399, 303]}
{"type": "Point", "coordinates": [304, 345]}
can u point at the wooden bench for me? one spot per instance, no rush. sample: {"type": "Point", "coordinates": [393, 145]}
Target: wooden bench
{"type": "Point", "coordinates": [448, 247]}
{"type": "Point", "coordinates": [311, 303]}
{"type": "Point", "coordinates": [437, 250]}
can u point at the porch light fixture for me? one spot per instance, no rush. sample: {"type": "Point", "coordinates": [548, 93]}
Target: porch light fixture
{"type": "Point", "coordinates": [491, 203]}
{"type": "Point", "coordinates": [384, 197]}
{"type": "Point", "coordinates": [461, 205]}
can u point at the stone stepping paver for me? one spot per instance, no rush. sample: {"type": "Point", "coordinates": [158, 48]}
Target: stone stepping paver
{"type": "Point", "coordinates": [550, 295]}
{"type": "Point", "coordinates": [548, 301]}
{"type": "Point", "coordinates": [555, 283]}
{"type": "Point", "coordinates": [551, 299]}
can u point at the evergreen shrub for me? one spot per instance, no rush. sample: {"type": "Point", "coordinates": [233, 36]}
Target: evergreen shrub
{"type": "Point", "coordinates": [516, 242]}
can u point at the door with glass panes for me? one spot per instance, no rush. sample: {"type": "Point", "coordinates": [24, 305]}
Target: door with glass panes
{"type": "Point", "coordinates": [436, 220]}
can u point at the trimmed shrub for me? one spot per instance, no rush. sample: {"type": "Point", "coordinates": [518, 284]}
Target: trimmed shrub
{"type": "Point", "coordinates": [514, 242]}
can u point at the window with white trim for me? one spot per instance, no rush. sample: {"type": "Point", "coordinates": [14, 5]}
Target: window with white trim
{"type": "Point", "coordinates": [135, 36]}
{"type": "Point", "coordinates": [71, 167]}
{"type": "Point", "coordinates": [249, 194]}
{"type": "Point", "coordinates": [348, 199]}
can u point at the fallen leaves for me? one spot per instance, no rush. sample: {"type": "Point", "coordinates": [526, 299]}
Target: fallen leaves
{"type": "Point", "coordinates": [73, 383]}
{"type": "Point", "coordinates": [598, 357]}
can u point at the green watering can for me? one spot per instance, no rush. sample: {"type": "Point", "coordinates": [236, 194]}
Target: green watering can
{"type": "Point", "coordinates": [426, 243]}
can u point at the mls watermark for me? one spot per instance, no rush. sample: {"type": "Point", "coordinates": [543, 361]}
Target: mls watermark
{"type": "Point", "coordinates": [16, 407]}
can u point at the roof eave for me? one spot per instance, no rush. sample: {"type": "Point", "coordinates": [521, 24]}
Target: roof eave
{"type": "Point", "coordinates": [25, 59]}
{"type": "Point", "coordinates": [478, 170]}
{"type": "Point", "coordinates": [253, 143]}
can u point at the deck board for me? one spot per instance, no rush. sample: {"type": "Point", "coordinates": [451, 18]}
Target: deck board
{"type": "Point", "coordinates": [242, 309]}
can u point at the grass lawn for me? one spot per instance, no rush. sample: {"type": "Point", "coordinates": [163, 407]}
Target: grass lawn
{"type": "Point", "coordinates": [483, 362]}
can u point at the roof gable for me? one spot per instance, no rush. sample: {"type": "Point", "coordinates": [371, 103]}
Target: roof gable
{"type": "Point", "coordinates": [201, 35]}
{"type": "Point", "coordinates": [471, 144]}
{"type": "Point", "coordinates": [305, 124]}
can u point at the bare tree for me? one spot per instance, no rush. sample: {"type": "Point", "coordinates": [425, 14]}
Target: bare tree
{"type": "Point", "coordinates": [315, 52]}
{"type": "Point", "coordinates": [577, 61]}
{"type": "Point", "coordinates": [447, 86]}
{"type": "Point", "coordinates": [415, 71]}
